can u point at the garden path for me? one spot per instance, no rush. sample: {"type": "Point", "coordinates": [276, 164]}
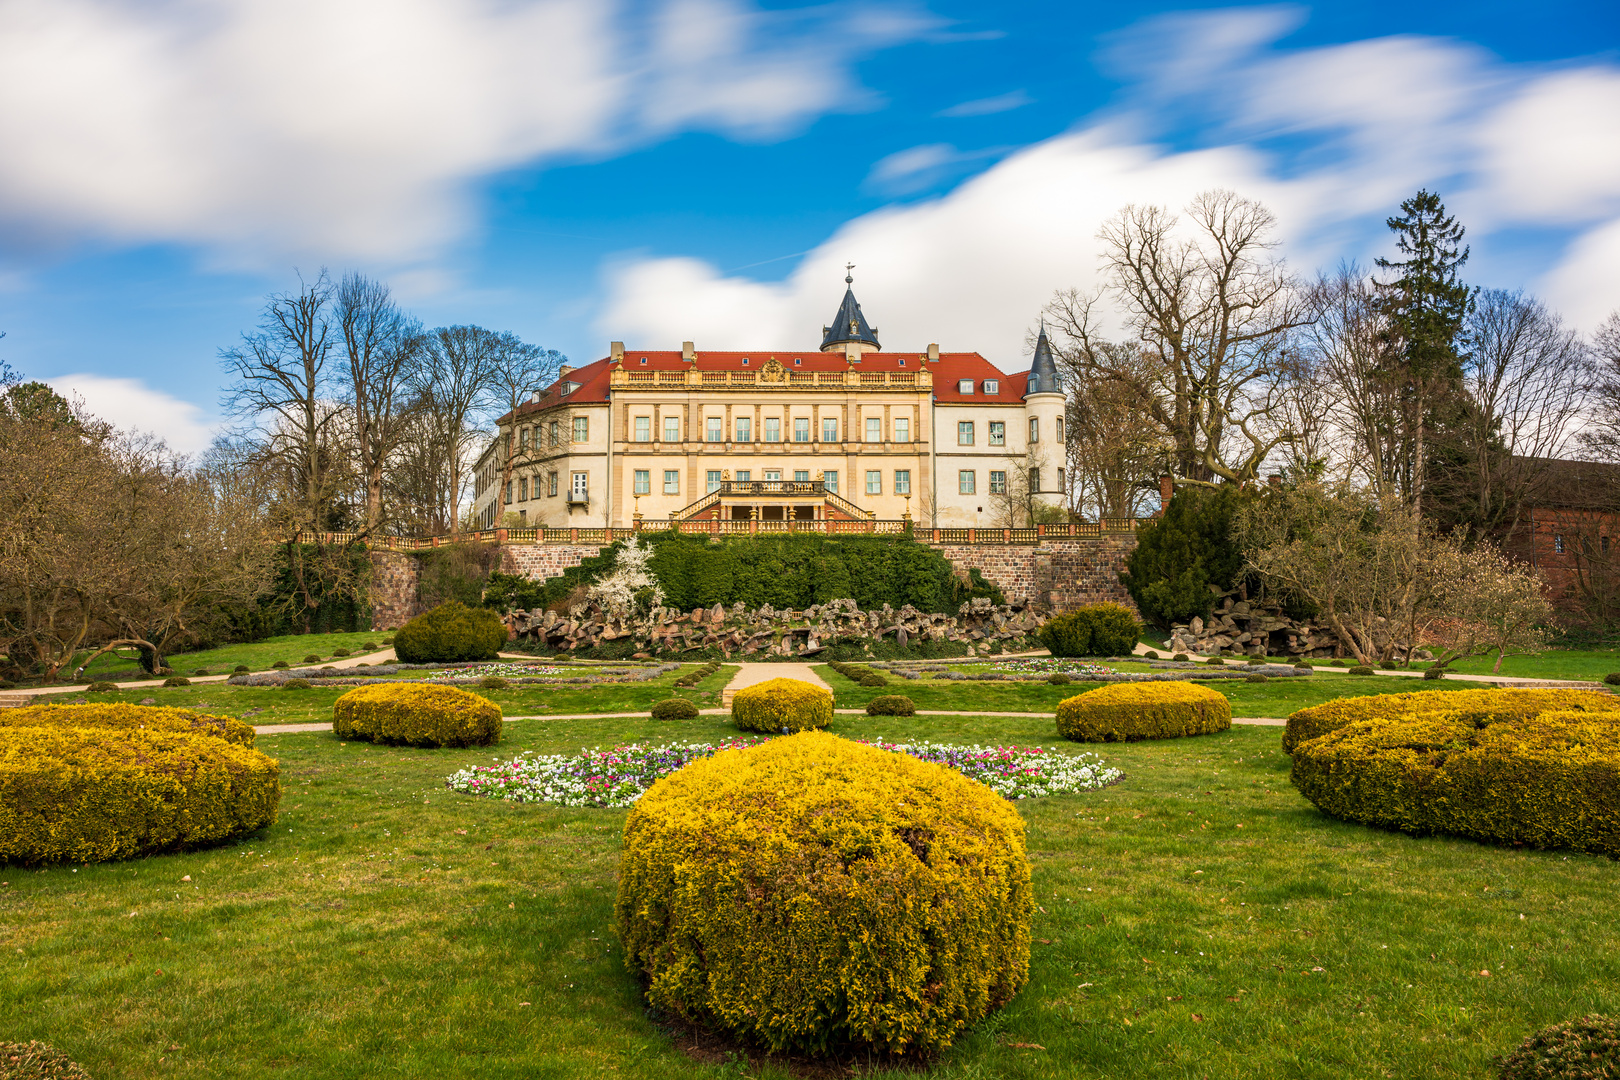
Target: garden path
{"type": "Point", "coordinates": [9, 698]}
{"type": "Point", "coordinates": [292, 729]}
{"type": "Point", "coordinates": [750, 674]}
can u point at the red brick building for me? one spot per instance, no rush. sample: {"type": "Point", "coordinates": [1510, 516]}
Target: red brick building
{"type": "Point", "coordinates": [1570, 531]}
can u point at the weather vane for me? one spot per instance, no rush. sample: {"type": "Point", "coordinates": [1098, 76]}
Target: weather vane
{"type": "Point", "coordinates": [849, 273]}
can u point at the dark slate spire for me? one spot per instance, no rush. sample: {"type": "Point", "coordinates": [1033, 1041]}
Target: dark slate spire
{"type": "Point", "coordinates": [849, 324]}
{"type": "Point", "coordinates": [1043, 377]}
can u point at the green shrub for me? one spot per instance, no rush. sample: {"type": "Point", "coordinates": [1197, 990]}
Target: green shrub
{"type": "Point", "coordinates": [1180, 658]}
{"type": "Point", "coordinates": [1612, 678]}
{"type": "Point", "coordinates": [1550, 780]}
{"type": "Point", "coordinates": [1151, 655]}
{"type": "Point", "coordinates": [1338, 663]}
{"type": "Point", "coordinates": [1126, 712]}
{"type": "Point", "coordinates": [296, 684]}
{"type": "Point", "coordinates": [675, 708]}
{"type": "Point", "coordinates": [416, 714]}
{"type": "Point", "coordinates": [1093, 630]}
{"type": "Point", "coordinates": [1361, 669]}
{"type": "Point", "coordinates": [1181, 554]}
{"type": "Point", "coordinates": [95, 794]}
{"type": "Point", "coordinates": [1434, 673]}
{"type": "Point", "coordinates": [200, 671]}
{"type": "Point", "coordinates": [872, 902]}
{"type": "Point", "coordinates": [1253, 660]}
{"type": "Point", "coordinates": [118, 716]}
{"type": "Point", "coordinates": [493, 682]}
{"type": "Point", "coordinates": [368, 646]}
{"type": "Point", "coordinates": [177, 680]}
{"type": "Point", "coordinates": [449, 633]}
{"type": "Point", "coordinates": [37, 1061]}
{"type": "Point", "coordinates": [1255, 676]}
{"type": "Point", "coordinates": [312, 658]}
{"type": "Point", "coordinates": [1057, 678]}
{"type": "Point", "coordinates": [697, 675]}
{"type": "Point", "coordinates": [1214, 661]}
{"type": "Point", "coordinates": [1584, 1049]}
{"type": "Point", "coordinates": [781, 706]}
{"type": "Point", "coordinates": [281, 664]}
{"type": "Point", "coordinates": [240, 669]}
{"type": "Point", "coordinates": [891, 705]}
{"type": "Point", "coordinates": [387, 641]}
{"type": "Point", "coordinates": [102, 687]}
{"type": "Point", "coordinates": [1318, 720]}
{"type": "Point", "coordinates": [340, 652]}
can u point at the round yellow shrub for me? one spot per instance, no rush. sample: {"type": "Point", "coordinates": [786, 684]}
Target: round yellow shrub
{"type": "Point", "coordinates": [1126, 712]}
{"type": "Point", "coordinates": [124, 717]}
{"type": "Point", "coordinates": [416, 714]}
{"type": "Point", "coordinates": [1550, 780]}
{"type": "Point", "coordinates": [812, 893]}
{"type": "Point", "coordinates": [94, 794]}
{"type": "Point", "coordinates": [1318, 720]}
{"type": "Point", "coordinates": [782, 706]}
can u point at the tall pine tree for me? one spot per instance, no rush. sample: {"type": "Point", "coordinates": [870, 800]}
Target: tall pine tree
{"type": "Point", "coordinates": [1424, 306]}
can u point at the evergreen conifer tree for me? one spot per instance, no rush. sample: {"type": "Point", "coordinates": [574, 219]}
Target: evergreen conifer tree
{"type": "Point", "coordinates": [1181, 554]}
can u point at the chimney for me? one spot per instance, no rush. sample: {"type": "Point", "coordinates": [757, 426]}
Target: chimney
{"type": "Point", "coordinates": [1167, 491]}
{"type": "Point", "coordinates": [563, 371]}
{"type": "Point", "coordinates": [933, 350]}
{"type": "Point", "coordinates": [688, 351]}
{"type": "Point", "coordinates": [616, 351]}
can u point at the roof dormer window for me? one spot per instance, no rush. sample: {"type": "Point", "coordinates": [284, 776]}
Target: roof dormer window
{"type": "Point", "coordinates": [902, 361]}
{"type": "Point", "coordinates": [745, 361]}
{"type": "Point", "coordinates": [964, 386]}
{"type": "Point", "coordinates": [569, 388]}
{"type": "Point", "coordinates": [643, 359]}
{"type": "Point", "coordinates": [992, 386]}
{"type": "Point", "coordinates": [797, 361]}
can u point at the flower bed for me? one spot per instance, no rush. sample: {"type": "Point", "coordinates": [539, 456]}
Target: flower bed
{"type": "Point", "coordinates": [617, 777]}
{"type": "Point", "coordinates": [517, 674]}
{"type": "Point", "coordinates": [1038, 669]}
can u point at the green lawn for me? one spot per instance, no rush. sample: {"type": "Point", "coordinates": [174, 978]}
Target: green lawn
{"type": "Point", "coordinates": [1275, 698]}
{"type": "Point", "coordinates": [257, 655]}
{"type": "Point", "coordinates": [264, 705]}
{"type": "Point", "coordinates": [1199, 919]}
{"type": "Point", "coordinates": [1553, 664]}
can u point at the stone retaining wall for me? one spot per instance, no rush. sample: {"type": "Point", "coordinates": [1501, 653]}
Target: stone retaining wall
{"type": "Point", "coordinates": [395, 592]}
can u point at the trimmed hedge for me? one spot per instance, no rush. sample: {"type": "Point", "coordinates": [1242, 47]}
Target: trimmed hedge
{"type": "Point", "coordinates": [1318, 720]}
{"type": "Point", "coordinates": [94, 794]}
{"type": "Point", "coordinates": [1584, 1049]}
{"type": "Point", "coordinates": [118, 716]}
{"type": "Point", "coordinates": [450, 633]}
{"type": "Point", "coordinates": [812, 894]}
{"type": "Point", "coordinates": [1548, 781]}
{"type": "Point", "coordinates": [891, 705]}
{"type": "Point", "coordinates": [675, 708]}
{"type": "Point", "coordinates": [1612, 678]}
{"type": "Point", "coordinates": [416, 714]}
{"type": "Point", "coordinates": [782, 706]}
{"type": "Point", "coordinates": [102, 687]}
{"type": "Point", "coordinates": [692, 678]}
{"type": "Point", "coordinates": [860, 674]}
{"type": "Point", "coordinates": [1093, 630]}
{"type": "Point", "coordinates": [37, 1061]}
{"type": "Point", "coordinates": [1126, 712]}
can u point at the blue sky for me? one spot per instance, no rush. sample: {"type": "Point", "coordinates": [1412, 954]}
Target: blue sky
{"type": "Point", "coordinates": [576, 171]}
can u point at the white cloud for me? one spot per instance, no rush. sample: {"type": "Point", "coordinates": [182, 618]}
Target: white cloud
{"type": "Point", "coordinates": [260, 129]}
{"type": "Point", "coordinates": [921, 167]}
{"type": "Point", "coordinates": [989, 106]}
{"type": "Point", "coordinates": [1332, 138]}
{"type": "Point", "coordinates": [131, 405]}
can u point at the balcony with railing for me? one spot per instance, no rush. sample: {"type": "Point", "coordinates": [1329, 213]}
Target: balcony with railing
{"type": "Point", "coordinates": [778, 378]}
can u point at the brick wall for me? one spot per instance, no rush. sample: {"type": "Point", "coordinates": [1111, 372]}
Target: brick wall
{"type": "Point", "coordinates": [1061, 574]}
{"type": "Point", "coordinates": [541, 562]}
{"type": "Point", "coordinates": [395, 597]}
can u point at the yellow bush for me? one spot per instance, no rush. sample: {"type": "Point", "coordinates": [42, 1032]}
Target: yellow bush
{"type": "Point", "coordinates": [129, 718]}
{"type": "Point", "coordinates": [782, 707]}
{"type": "Point", "coordinates": [417, 714]}
{"type": "Point", "coordinates": [93, 794]}
{"type": "Point", "coordinates": [1307, 724]}
{"type": "Point", "coordinates": [1549, 781]}
{"type": "Point", "coordinates": [1126, 712]}
{"type": "Point", "coordinates": [810, 892]}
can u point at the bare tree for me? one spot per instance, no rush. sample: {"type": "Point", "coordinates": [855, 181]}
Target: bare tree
{"type": "Point", "coordinates": [1347, 343]}
{"type": "Point", "coordinates": [1215, 312]}
{"type": "Point", "coordinates": [1015, 501]}
{"type": "Point", "coordinates": [517, 371]}
{"type": "Point", "coordinates": [1601, 434]}
{"type": "Point", "coordinates": [381, 346]}
{"type": "Point", "coordinates": [451, 382]}
{"type": "Point", "coordinates": [1113, 459]}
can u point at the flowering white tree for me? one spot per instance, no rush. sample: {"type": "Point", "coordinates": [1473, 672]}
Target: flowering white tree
{"type": "Point", "coordinates": [631, 588]}
{"type": "Point", "coordinates": [1498, 605]}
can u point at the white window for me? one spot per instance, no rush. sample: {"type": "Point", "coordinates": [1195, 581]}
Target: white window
{"type": "Point", "coordinates": [672, 429]}
{"type": "Point", "coordinates": [1034, 430]}
{"type": "Point", "coordinates": [556, 436]}
{"type": "Point", "coordinates": [714, 429]}
{"type": "Point", "coordinates": [874, 482]}
{"type": "Point", "coordinates": [672, 482]}
{"type": "Point", "coordinates": [1035, 480]}
{"type": "Point", "coordinates": [582, 484]}
{"type": "Point", "coordinates": [773, 429]}
{"type": "Point", "coordinates": [582, 429]}
{"type": "Point", "coordinates": [964, 386]}
{"type": "Point", "coordinates": [829, 429]}
{"type": "Point", "coordinates": [523, 489]}
{"type": "Point", "coordinates": [874, 429]}
{"type": "Point", "coordinates": [902, 429]}
{"type": "Point", "coordinates": [745, 429]}
{"type": "Point", "coordinates": [523, 438]}
{"type": "Point", "coordinates": [1061, 485]}
{"type": "Point", "coordinates": [965, 482]}
{"type": "Point", "coordinates": [998, 433]}
{"type": "Point", "coordinates": [643, 429]}
{"type": "Point", "coordinates": [551, 484]}
{"type": "Point", "coordinates": [964, 433]}
{"type": "Point", "coordinates": [801, 476]}
{"type": "Point", "coordinates": [1558, 542]}
{"type": "Point", "coordinates": [801, 429]}
{"type": "Point", "coordinates": [998, 482]}
{"type": "Point", "coordinates": [713, 479]}
{"type": "Point", "coordinates": [902, 481]}
{"type": "Point", "coordinates": [509, 493]}
{"type": "Point", "coordinates": [992, 386]}
{"type": "Point", "coordinates": [1060, 429]}
{"type": "Point", "coordinates": [744, 475]}
{"type": "Point", "coordinates": [643, 482]}
{"type": "Point", "coordinates": [773, 475]}
{"type": "Point", "coordinates": [830, 478]}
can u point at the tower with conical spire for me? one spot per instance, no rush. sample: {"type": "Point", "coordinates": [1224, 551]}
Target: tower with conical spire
{"type": "Point", "coordinates": [849, 332]}
{"type": "Point", "coordinates": [1043, 377]}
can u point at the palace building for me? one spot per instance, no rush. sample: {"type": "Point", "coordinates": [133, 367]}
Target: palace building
{"type": "Point", "coordinates": [846, 431]}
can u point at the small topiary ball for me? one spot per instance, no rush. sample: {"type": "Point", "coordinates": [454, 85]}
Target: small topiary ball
{"type": "Point", "coordinates": [1215, 661]}
{"type": "Point", "coordinates": [312, 659]}
{"type": "Point", "coordinates": [810, 894]}
{"type": "Point", "coordinates": [1434, 673]}
{"type": "Point", "coordinates": [675, 708]}
{"type": "Point", "coordinates": [1361, 669]}
{"type": "Point", "coordinates": [240, 669]}
{"type": "Point", "coordinates": [1584, 1049]}
{"type": "Point", "coordinates": [1612, 678]}
{"type": "Point", "coordinates": [891, 705]}
{"type": "Point", "coordinates": [417, 714]}
{"type": "Point", "coordinates": [200, 671]}
{"type": "Point", "coordinates": [1180, 658]}
{"type": "Point", "coordinates": [281, 664]}
{"type": "Point", "coordinates": [177, 680]}
{"type": "Point", "coordinates": [782, 706]}
{"type": "Point", "coordinates": [493, 682]}
{"type": "Point", "coordinates": [1057, 678]}
{"type": "Point", "coordinates": [37, 1061]}
{"type": "Point", "coordinates": [1256, 660]}
{"type": "Point", "coordinates": [1151, 655]}
{"type": "Point", "coordinates": [368, 646]}
{"type": "Point", "coordinates": [1256, 677]}
{"type": "Point", "coordinates": [340, 652]}
{"type": "Point", "coordinates": [450, 633]}
{"type": "Point", "coordinates": [295, 684]}
{"type": "Point", "coordinates": [1339, 663]}
{"type": "Point", "coordinates": [101, 687]}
